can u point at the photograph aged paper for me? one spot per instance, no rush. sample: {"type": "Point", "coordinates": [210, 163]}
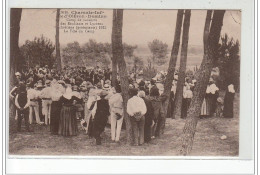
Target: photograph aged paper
{"type": "Point", "coordinates": [104, 82]}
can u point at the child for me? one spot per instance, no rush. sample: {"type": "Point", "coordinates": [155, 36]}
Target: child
{"type": "Point", "coordinates": [22, 104]}
{"type": "Point", "coordinates": [219, 108]}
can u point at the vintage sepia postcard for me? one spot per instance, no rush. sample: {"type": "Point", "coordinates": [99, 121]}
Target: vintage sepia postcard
{"type": "Point", "coordinates": [140, 61]}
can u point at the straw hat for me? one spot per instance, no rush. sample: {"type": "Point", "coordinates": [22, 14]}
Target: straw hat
{"type": "Point", "coordinates": [106, 87]}
{"type": "Point", "coordinates": [61, 82]}
{"type": "Point", "coordinates": [103, 93]}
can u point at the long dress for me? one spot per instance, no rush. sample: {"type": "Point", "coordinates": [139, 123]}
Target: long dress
{"type": "Point", "coordinates": [228, 105]}
{"type": "Point", "coordinates": [205, 108]}
{"type": "Point", "coordinates": [68, 121]}
{"type": "Point", "coordinates": [214, 102]}
{"type": "Point", "coordinates": [55, 116]}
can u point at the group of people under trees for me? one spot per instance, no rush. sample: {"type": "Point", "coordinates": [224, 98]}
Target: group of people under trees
{"type": "Point", "coordinates": [86, 96]}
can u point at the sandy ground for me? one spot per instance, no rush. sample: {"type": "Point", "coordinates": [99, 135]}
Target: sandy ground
{"type": "Point", "coordinates": [207, 140]}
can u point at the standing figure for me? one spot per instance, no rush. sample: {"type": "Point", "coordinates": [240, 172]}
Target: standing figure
{"type": "Point", "coordinates": [22, 104]}
{"type": "Point", "coordinates": [136, 108]}
{"type": "Point", "coordinates": [45, 95]}
{"type": "Point", "coordinates": [187, 95]}
{"type": "Point", "coordinates": [157, 107]}
{"type": "Point", "coordinates": [92, 107]}
{"type": "Point", "coordinates": [101, 116]}
{"type": "Point", "coordinates": [205, 108]}
{"type": "Point", "coordinates": [33, 95]}
{"type": "Point", "coordinates": [149, 117]}
{"type": "Point", "coordinates": [68, 121]}
{"type": "Point", "coordinates": [229, 102]}
{"type": "Point", "coordinates": [39, 89]}
{"type": "Point", "coordinates": [78, 105]}
{"type": "Point", "coordinates": [116, 108]}
{"type": "Point", "coordinates": [57, 90]}
{"type": "Point", "coordinates": [13, 94]}
{"type": "Point", "coordinates": [219, 107]}
{"type": "Point", "coordinates": [213, 96]}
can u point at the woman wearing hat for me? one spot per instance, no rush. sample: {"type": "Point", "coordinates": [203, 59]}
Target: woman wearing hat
{"type": "Point", "coordinates": [68, 122]}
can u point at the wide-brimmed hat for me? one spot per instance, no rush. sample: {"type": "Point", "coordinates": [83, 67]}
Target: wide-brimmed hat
{"type": "Point", "coordinates": [103, 93]}
{"type": "Point", "coordinates": [106, 87]}
{"type": "Point", "coordinates": [61, 82]}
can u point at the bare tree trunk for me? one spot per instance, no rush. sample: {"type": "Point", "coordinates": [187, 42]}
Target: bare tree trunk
{"type": "Point", "coordinates": [211, 40]}
{"type": "Point", "coordinates": [113, 58]}
{"type": "Point", "coordinates": [15, 58]}
{"type": "Point", "coordinates": [182, 70]}
{"type": "Point", "coordinates": [57, 37]}
{"type": "Point", "coordinates": [114, 72]}
{"type": "Point", "coordinates": [173, 60]}
{"type": "Point", "coordinates": [117, 51]}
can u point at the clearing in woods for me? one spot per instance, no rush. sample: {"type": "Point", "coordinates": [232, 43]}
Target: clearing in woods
{"type": "Point", "coordinates": [207, 140]}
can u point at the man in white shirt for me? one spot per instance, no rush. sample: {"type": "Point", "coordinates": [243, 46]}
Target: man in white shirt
{"type": "Point", "coordinates": [136, 108]}
{"type": "Point", "coordinates": [116, 108]}
{"type": "Point", "coordinates": [33, 95]}
{"type": "Point", "coordinates": [45, 95]}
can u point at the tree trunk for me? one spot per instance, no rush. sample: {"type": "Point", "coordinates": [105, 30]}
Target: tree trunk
{"type": "Point", "coordinates": [114, 72]}
{"type": "Point", "coordinates": [211, 40]}
{"type": "Point", "coordinates": [118, 55]}
{"type": "Point", "coordinates": [15, 57]}
{"type": "Point", "coordinates": [173, 60]}
{"type": "Point", "coordinates": [182, 70]}
{"type": "Point", "coordinates": [57, 37]}
{"type": "Point", "coordinates": [113, 58]}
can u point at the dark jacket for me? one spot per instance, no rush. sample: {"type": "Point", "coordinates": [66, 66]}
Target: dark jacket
{"type": "Point", "coordinates": [101, 116]}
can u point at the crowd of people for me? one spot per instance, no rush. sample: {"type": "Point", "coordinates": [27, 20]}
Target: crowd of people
{"type": "Point", "coordinates": [80, 95]}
